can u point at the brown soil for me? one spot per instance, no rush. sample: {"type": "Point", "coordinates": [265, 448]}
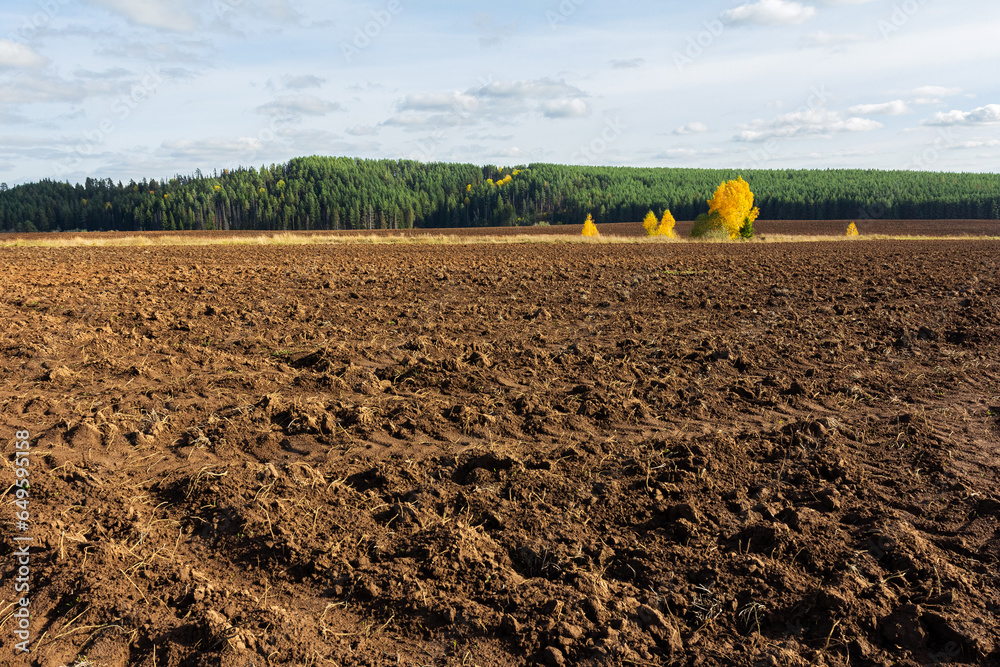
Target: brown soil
{"type": "Point", "coordinates": [558, 454]}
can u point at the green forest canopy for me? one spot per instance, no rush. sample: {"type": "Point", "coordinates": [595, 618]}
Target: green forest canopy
{"type": "Point", "coordinates": [349, 193]}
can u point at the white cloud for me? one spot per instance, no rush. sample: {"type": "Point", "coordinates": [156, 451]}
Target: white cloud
{"type": "Point", "coordinates": [934, 94]}
{"type": "Point", "coordinates": [691, 128]}
{"type": "Point", "coordinates": [541, 89]}
{"type": "Point", "coordinates": [192, 148]}
{"type": "Point", "coordinates": [24, 147]}
{"type": "Point", "coordinates": [112, 73]}
{"type": "Point", "coordinates": [936, 91]}
{"type": "Point", "coordinates": [575, 108]}
{"type": "Point", "coordinates": [362, 130]}
{"type": "Point", "coordinates": [497, 102]}
{"type": "Point", "coordinates": [631, 63]}
{"type": "Point", "coordinates": [280, 11]}
{"type": "Point", "coordinates": [894, 108]}
{"type": "Point", "coordinates": [454, 101]}
{"type": "Point", "coordinates": [833, 40]}
{"type": "Point", "coordinates": [493, 35]}
{"type": "Point", "coordinates": [673, 153]}
{"type": "Point", "coordinates": [770, 12]}
{"type": "Point", "coordinates": [512, 152]}
{"type": "Point", "coordinates": [366, 87]}
{"type": "Point", "coordinates": [423, 121]}
{"type": "Point", "coordinates": [15, 55]}
{"type": "Point", "coordinates": [312, 141]}
{"type": "Point", "coordinates": [677, 153]}
{"type": "Point", "coordinates": [298, 105]}
{"type": "Point", "coordinates": [9, 118]}
{"type": "Point", "coordinates": [212, 150]}
{"type": "Point", "coordinates": [165, 49]}
{"type": "Point", "coordinates": [304, 82]}
{"type": "Point", "coordinates": [808, 123]}
{"type": "Point", "coordinates": [166, 14]}
{"type": "Point", "coordinates": [48, 89]}
{"type": "Point", "coordinates": [554, 98]}
{"type": "Point", "coordinates": [989, 143]}
{"type": "Point", "coordinates": [983, 115]}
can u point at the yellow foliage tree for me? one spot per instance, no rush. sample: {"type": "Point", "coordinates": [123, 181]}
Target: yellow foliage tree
{"type": "Point", "coordinates": [666, 227]}
{"type": "Point", "coordinates": [589, 228]}
{"type": "Point", "coordinates": [852, 230]}
{"type": "Point", "coordinates": [663, 227]}
{"type": "Point", "coordinates": [731, 212]}
{"type": "Point", "coordinates": [649, 224]}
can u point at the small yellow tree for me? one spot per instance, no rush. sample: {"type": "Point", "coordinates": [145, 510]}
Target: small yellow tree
{"type": "Point", "coordinates": [589, 228]}
{"type": "Point", "coordinates": [666, 227]}
{"type": "Point", "coordinates": [663, 227]}
{"type": "Point", "coordinates": [649, 224]}
{"type": "Point", "coordinates": [852, 230]}
{"type": "Point", "coordinates": [731, 212]}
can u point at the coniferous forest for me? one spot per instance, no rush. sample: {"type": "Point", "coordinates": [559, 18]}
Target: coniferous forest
{"type": "Point", "coordinates": [346, 193]}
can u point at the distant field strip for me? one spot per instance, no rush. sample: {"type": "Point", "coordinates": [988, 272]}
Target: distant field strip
{"type": "Point", "coordinates": [767, 232]}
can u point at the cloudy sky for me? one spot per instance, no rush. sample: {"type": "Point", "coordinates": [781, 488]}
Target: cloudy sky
{"type": "Point", "coordinates": [153, 88]}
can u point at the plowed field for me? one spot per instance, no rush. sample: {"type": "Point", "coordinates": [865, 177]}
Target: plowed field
{"type": "Point", "coordinates": [556, 454]}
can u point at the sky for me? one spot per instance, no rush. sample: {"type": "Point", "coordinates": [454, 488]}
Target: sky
{"type": "Point", "coordinates": [132, 89]}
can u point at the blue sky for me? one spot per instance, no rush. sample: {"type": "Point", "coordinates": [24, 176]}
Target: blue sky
{"type": "Point", "coordinates": [130, 88]}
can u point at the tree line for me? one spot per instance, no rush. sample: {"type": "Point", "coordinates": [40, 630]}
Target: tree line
{"type": "Point", "coordinates": [313, 193]}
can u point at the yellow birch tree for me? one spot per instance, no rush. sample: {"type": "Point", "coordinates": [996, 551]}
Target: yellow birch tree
{"type": "Point", "coordinates": [649, 224]}
{"type": "Point", "coordinates": [731, 212]}
{"type": "Point", "coordinates": [666, 227]}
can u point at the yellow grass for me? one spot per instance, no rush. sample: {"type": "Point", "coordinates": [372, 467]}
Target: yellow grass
{"type": "Point", "coordinates": [794, 238]}
{"type": "Point", "coordinates": [291, 238]}
{"type": "Point", "coordinates": [313, 239]}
